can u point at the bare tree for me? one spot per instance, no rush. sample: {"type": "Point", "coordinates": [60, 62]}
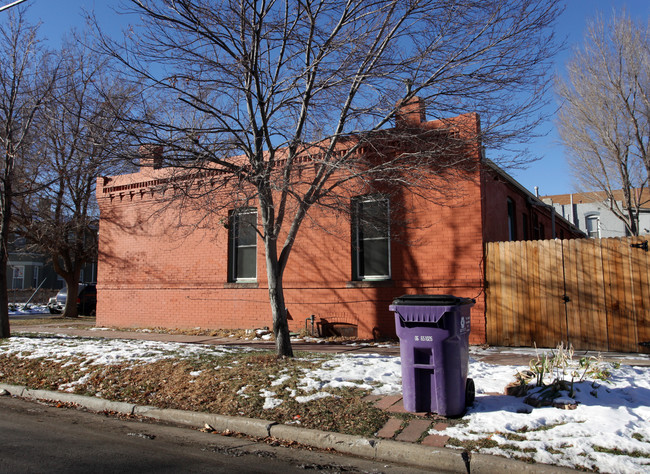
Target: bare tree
{"type": "Point", "coordinates": [25, 84]}
{"type": "Point", "coordinates": [287, 104]}
{"type": "Point", "coordinates": [604, 120]}
{"type": "Point", "coordinates": [82, 137]}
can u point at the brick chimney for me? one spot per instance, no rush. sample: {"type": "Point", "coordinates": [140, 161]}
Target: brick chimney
{"type": "Point", "coordinates": [151, 156]}
{"type": "Point", "coordinates": [410, 113]}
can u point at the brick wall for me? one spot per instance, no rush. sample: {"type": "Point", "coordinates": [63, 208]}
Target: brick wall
{"type": "Point", "coordinates": [153, 273]}
{"type": "Point", "coordinates": [497, 188]}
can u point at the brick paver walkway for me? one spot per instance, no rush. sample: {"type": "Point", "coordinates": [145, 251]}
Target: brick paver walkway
{"type": "Point", "coordinates": [390, 428]}
{"type": "Point", "coordinates": [414, 431]}
{"type": "Point", "coordinates": [409, 431]}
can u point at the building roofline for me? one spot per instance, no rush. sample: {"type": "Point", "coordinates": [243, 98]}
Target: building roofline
{"type": "Point", "coordinates": [587, 197]}
{"type": "Point", "coordinates": [532, 198]}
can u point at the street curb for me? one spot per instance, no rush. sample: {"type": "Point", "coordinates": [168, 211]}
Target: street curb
{"type": "Point", "coordinates": [92, 403]}
{"type": "Point", "coordinates": [248, 426]}
{"type": "Point", "coordinates": [342, 443]}
{"type": "Point", "coordinates": [444, 459]}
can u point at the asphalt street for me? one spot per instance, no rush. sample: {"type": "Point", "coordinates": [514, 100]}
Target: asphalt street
{"type": "Point", "coordinates": [42, 438]}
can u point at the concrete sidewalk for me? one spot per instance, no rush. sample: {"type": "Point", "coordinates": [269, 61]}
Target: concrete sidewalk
{"type": "Point", "coordinates": [387, 349]}
{"type": "Point", "coordinates": [519, 356]}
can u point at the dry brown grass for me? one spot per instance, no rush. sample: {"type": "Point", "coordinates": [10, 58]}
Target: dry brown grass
{"type": "Point", "coordinates": [36, 373]}
{"type": "Point", "coordinates": [56, 320]}
{"type": "Point", "coordinates": [229, 385]}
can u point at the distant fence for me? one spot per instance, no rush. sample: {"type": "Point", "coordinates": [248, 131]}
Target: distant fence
{"type": "Point", "coordinates": [594, 293]}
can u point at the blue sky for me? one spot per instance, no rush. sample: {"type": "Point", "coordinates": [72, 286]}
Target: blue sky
{"type": "Point", "coordinates": [550, 173]}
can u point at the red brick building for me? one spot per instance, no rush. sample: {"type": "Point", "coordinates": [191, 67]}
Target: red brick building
{"type": "Point", "coordinates": [152, 273]}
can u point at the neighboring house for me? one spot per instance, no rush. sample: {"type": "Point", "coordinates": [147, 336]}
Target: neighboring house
{"type": "Point", "coordinates": [591, 213]}
{"type": "Point", "coordinates": [27, 269]}
{"type": "Point", "coordinates": [151, 273]}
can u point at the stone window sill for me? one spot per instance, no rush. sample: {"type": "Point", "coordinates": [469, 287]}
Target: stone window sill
{"type": "Point", "coordinates": [243, 285]}
{"type": "Point", "coordinates": [370, 284]}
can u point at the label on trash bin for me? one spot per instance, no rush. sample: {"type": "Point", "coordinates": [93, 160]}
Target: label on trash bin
{"type": "Point", "coordinates": [424, 338]}
{"type": "Point", "coordinates": [464, 324]}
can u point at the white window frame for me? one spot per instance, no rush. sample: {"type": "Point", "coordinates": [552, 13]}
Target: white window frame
{"type": "Point", "coordinates": [359, 239]}
{"type": "Point", "coordinates": [234, 246]}
{"type": "Point", "coordinates": [20, 269]}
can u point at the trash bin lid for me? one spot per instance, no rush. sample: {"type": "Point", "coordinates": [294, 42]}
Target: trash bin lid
{"type": "Point", "coordinates": [426, 308]}
{"type": "Point", "coordinates": [431, 300]}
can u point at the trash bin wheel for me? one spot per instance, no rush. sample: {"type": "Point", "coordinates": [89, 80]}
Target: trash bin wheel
{"type": "Point", "coordinates": [470, 392]}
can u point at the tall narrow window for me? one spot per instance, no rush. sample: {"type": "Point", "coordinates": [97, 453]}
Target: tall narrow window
{"type": "Point", "coordinates": [18, 279]}
{"type": "Point", "coordinates": [243, 245]}
{"type": "Point", "coordinates": [524, 223]}
{"type": "Point", "coordinates": [593, 227]}
{"type": "Point", "coordinates": [536, 229]}
{"type": "Point", "coordinates": [35, 277]}
{"type": "Point", "coordinates": [371, 242]}
{"type": "Point", "coordinates": [512, 221]}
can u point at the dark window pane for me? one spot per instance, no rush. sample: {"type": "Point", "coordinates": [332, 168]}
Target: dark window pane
{"type": "Point", "coordinates": [375, 257]}
{"type": "Point", "coordinates": [512, 226]}
{"type": "Point", "coordinates": [524, 218]}
{"type": "Point", "coordinates": [246, 262]}
{"type": "Point", "coordinates": [374, 219]}
{"type": "Point", "coordinates": [246, 229]}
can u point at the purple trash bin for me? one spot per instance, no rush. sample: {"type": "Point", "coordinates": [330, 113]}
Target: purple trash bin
{"type": "Point", "coordinates": [433, 331]}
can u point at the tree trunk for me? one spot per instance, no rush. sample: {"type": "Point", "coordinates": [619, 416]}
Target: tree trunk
{"type": "Point", "coordinates": [5, 331]}
{"type": "Point", "coordinates": [69, 270]}
{"type": "Point", "coordinates": [73, 294]}
{"type": "Point", "coordinates": [629, 206]}
{"type": "Point", "coordinates": [633, 227]}
{"type": "Point", "coordinates": [276, 297]}
{"type": "Point", "coordinates": [4, 297]}
{"type": "Point", "coordinates": [280, 324]}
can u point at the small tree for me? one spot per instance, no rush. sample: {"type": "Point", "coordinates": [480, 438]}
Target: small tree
{"type": "Point", "coordinates": [604, 120]}
{"type": "Point", "coordinates": [290, 101]}
{"type": "Point", "coordinates": [25, 84]}
{"type": "Point", "coordinates": [82, 137]}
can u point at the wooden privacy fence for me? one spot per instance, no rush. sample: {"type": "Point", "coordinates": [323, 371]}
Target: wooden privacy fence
{"type": "Point", "coordinates": [593, 293]}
